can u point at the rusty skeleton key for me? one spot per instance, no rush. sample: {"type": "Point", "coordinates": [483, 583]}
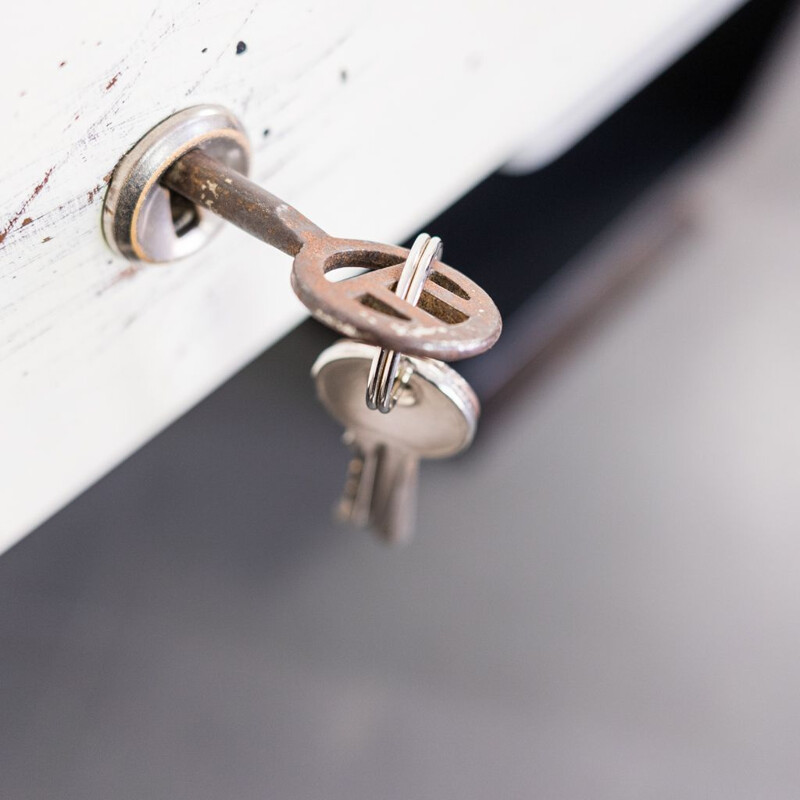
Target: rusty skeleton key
{"type": "Point", "coordinates": [454, 317]}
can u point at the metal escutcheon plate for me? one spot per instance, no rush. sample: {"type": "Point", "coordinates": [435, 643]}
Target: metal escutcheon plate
{"type": "Point", "coordinates": [141, 219]}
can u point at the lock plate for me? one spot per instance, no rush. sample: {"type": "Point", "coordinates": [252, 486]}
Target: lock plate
{"type": "Point", "coordinates": [142, 219]}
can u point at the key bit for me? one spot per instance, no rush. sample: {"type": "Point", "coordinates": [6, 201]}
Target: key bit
{"type": "Point", "coordinates": [355, 505]}
{"type": "Point", "coordinates": [394, 496]}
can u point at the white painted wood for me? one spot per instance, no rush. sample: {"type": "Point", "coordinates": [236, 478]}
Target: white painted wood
{"type": "Point", "coordinates": [360, 99]}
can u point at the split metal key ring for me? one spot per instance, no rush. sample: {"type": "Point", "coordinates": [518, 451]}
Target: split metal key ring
{"type": "Point", "coordinates": [382, 385]}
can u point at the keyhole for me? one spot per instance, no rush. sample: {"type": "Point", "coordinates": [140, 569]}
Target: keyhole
{"type": "Point", "coordinates": [185, 216]}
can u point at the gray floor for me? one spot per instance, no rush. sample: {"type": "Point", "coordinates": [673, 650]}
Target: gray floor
{"type": "Point", "coordinates": [602, 600]}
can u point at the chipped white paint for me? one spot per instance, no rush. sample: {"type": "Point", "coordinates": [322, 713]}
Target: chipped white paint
{"type": "Point", "coordinates": [347, 103]}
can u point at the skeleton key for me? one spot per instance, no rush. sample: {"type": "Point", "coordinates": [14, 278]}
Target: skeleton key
{"type": "Point", "coordinates": [454, 319]}
{"type": "Point", "coordinates": [435, 416]}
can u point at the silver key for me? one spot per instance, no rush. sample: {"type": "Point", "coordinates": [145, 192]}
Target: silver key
{"type": "Point", "coordinates": [435, 416]}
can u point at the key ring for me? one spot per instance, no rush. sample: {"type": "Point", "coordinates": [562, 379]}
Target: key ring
{"type": "Point", "coordinates": [383, 386]}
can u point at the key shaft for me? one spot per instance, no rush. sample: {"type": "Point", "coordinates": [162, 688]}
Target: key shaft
{"type": "Point", "coordinates": [229, 194]}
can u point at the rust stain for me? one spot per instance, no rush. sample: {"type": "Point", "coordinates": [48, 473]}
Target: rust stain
{"type": "Point", "coordinates": [26, 221]}
{"type": "Point", "coordinates": [107, 176]}
{"type": "Point", "coordinates": [131, 271]}
{"type": "Point", "coordinates": [113, 81]}
{"type": "Point", "coordinates": [47, 239]}
{"type": "Point", "coordinates": [92, 193]}
{"type": "Point", "coordinates": [126, 274]}
{"type": "Point", "coordinates": [23, 208]}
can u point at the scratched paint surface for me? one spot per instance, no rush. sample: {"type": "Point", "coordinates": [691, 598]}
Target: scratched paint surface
{"type": "Point", "coordinates": [347, 105]}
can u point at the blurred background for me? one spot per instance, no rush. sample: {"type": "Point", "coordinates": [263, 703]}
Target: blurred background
{"type": "Point", "coordinates": [602, 597]}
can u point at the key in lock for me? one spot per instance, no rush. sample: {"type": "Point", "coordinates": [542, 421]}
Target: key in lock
{"type": "Point", "coordinates": [201, 155]}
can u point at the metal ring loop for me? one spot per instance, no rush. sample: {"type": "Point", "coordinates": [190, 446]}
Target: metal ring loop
{"type": "Point", "coordinates": [382, 385]}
